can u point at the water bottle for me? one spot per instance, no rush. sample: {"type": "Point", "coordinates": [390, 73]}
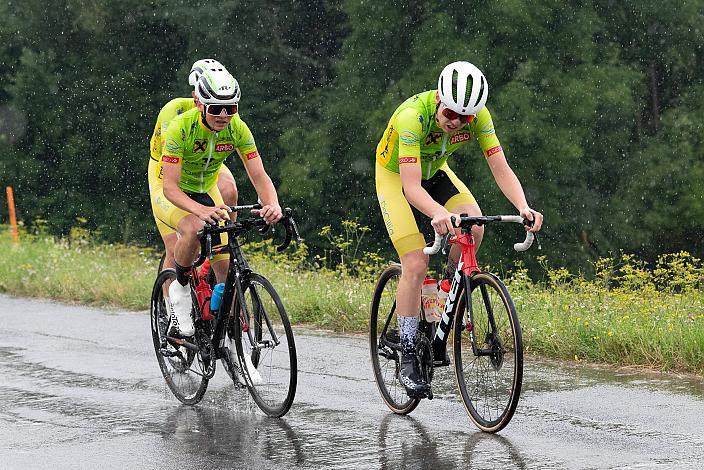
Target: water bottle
{"type": "Point", "coordinates": [429, 300]}
{"type": "Point", "coordinates": [216, 299]}
{"type": "Point", "coordinates": [443, 289]}
{"type": "Point", "coordinates": [203, 294]}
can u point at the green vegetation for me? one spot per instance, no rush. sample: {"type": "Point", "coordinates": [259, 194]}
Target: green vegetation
{"type": "Point", "coordinates": [599, 106]}
{"type": "Point", "coordinates": [626, 315]}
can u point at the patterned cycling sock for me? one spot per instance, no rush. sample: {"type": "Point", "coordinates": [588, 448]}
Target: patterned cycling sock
{"type": "Point", "coordinates": [408, 327]}
{"type": "Point", "coordinates": [450, 268]}
{"type": "Point", "coordinates": [182, 274]}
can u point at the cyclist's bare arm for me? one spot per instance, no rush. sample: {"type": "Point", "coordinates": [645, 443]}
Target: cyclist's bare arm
{"type": "Point", "coordinates": [419, 198]}
{"type": "Point", "coordinates": [509, 184]}
{"type": "Point", "coordinates": [271, 210]}
{"type": "Point", "coordinates": [172, 175]}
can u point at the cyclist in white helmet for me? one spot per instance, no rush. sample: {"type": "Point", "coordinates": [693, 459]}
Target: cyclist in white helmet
{"type": "Point", "coordinates": [226, 182]}
{"type": "Point", "coordinates": [413, 178]}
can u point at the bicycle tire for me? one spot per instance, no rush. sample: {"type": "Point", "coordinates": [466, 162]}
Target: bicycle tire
{"type": "Point", "coordinates": [186, 384]}
{"type": "Point", "coordinates": [386, 361]}
{"type": "Point", "coordinates": [489, 382]}
{"type": "Point", "coordinates": [276, 363]}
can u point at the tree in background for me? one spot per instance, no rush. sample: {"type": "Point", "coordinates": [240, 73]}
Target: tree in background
{"type": "Point", "coordinates": [597, 105]}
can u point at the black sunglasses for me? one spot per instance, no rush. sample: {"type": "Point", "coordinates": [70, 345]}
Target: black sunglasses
{"type": "Point", "coordinates": [216, 109]}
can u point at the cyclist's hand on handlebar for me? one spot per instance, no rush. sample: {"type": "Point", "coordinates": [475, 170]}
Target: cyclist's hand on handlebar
{"type": "Point", "coordinates": [213, 214]}
{"type": "Point", "coordinates": [271, 213]}
{"type": "Point", "coordinates": [534, 216]}
{"type": "Point", "coordinates": [442, 222]}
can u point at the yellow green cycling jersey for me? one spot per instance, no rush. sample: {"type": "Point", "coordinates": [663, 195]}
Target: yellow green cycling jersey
{"type": "Point", "coordinates": [202, 151]}
{"type": "Point", "coordinates": [170, 110]}
{"type": "Point", "coordinates": [413, 137]}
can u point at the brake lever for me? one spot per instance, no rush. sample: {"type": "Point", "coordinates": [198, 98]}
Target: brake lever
{"type": "Point", "coordinates": [445, 240]}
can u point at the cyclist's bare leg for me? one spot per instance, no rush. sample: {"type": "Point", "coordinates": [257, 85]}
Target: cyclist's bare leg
{"type": "Point", "coordinates": [169, 244]}
{"type": "Point", "coordinates": [413, 268]}
{"type": "Point", "coordinates": [220, 268]}
{"type": "Point", "coordinates": [228, 189]}
{"type": "Point", "coordinates": [477, 232]}
{"type": "Point", "coordinates": [187, 247]}
{"type": "Point", "coordinates": [414, 265]}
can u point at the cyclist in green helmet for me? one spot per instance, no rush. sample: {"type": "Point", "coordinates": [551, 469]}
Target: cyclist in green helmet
{"type": "Point", "coordinates": [194, 146]}
{"type": "Point", "coordinates": [226, 182]}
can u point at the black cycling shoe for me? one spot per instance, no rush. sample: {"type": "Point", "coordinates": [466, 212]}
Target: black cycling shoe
{"type": "Point", "coordinates": [410, 377]}
{"type": "Point", "coordinates": [445, 361]}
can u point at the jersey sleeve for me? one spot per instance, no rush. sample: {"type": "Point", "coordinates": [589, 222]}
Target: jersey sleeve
{"type": "Point", "coordinates": [245, 143]}
{"type": "Point", "coordinates": [173, 143]}
{"type": "Point", "coordinates": [486, 135]}
{"type": "Point", "coordinates": [409, 128]}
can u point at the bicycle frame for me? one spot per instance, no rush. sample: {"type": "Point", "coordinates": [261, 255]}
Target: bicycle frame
{"type": "Point", "coordinates": [466, 268]}
{"type": "Point", "coordinates": [236, 283]}
{"type": "Point", "coordinates": [237, 274]}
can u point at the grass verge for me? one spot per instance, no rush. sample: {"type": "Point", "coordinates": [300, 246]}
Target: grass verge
{"type": "Point", "coordinates": [627, 315]}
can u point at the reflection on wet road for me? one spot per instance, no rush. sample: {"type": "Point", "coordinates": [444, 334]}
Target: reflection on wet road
{"type": "Point", "coordinates": [80, 388]}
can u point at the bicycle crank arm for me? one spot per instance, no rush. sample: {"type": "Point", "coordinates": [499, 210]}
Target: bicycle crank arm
{"type": "Point", "coordinates": [268, 344]}
{"type": "Point", "coordinates": [183, 342]}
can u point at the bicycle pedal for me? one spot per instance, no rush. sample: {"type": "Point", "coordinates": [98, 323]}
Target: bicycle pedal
{"type": "Point", "coordinates": [167, 353]}
{"type": "Point", "coordinates": [441, 363]}
{"type": "Point", "coordinates": [393, 336]}
{"type": "Point", "coordinates": [421, 395]}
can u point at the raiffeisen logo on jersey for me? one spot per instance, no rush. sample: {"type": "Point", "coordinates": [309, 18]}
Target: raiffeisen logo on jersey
{"type": "Point", "coordinates": [200, 145]}
{"type": "Point", "coordinates": [224, 148]}
{"type": "Point", "coordinates": [460, 137]}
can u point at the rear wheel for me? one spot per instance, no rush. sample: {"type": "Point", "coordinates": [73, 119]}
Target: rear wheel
{"type": "Point", "coordinates": [385, 343]}
{"type": "Point", "coordinates": [488, 353]}
{"type": "Point", "coordinates": [179, 365]}
{"type": "Point", "coordinates": [266, 339]}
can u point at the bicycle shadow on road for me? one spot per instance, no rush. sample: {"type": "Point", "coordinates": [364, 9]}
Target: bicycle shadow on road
{"type": "Point", "coordinates": [221, 435]}
{"type": "Point", "coordinates": [405, 443]}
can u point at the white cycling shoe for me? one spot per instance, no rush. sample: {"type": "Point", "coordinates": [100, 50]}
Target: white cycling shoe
{"type": "Point", "coordinates": [180, 306]}
{"type": "Point", "coordinates": [254, 374]}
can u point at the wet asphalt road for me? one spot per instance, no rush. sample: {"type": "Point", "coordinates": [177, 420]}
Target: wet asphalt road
{"type": "Point", "coordinates": [80, 388]}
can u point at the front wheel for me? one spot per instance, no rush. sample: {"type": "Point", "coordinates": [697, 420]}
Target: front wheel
{"type": "Point", "coordinates": [488, 350]}
{"type": "Point", "coordinates": [385, 343]}
{"type": "Point", "coordinates": [266, 339]}
{"type": "Point", "coordinates": [179, 365]}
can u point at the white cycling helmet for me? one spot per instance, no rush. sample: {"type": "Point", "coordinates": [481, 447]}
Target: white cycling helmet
{"type": "Point", "coordinates": [200, 66]}
{"type": "Point", "coordinates": [215, 85]}
{"type": "Point", "coordinates": [463, 88]}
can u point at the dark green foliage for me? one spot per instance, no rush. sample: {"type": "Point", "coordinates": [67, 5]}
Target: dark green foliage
{"type": "Point", "coordinates": [598, 105]}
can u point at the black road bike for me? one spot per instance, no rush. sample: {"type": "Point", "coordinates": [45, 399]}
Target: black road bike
{"type": "Point", "coordinates": [251, 321]}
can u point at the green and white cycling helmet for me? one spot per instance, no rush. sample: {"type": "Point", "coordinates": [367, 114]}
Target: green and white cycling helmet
{"type": "Point", "coordinates": [200, 66]}
{"type": "Point", "coordinates": [213, 83]}
{"type": "Point", "coordinates": [463, 88]}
